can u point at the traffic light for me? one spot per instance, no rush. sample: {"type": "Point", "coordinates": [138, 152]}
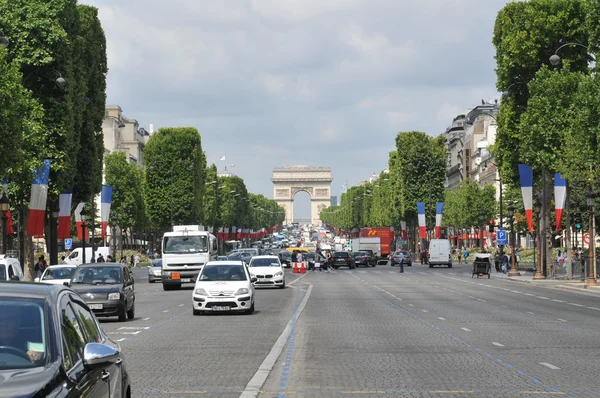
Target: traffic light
{"type": "Point", "coordinates": [492, 225]}
{"type": "Point", "coordinates": [578, 221]}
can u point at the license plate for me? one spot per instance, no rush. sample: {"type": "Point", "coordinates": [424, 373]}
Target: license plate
{"type": "Point", "coordinates": [95, 306]}
{"type": "Point", "coordinates": [175, 275]}
{"type": "Point", "coordinates": [221, 308]}
{"type": "Point", "coordinates": [263, 280]}
{"type": "Point", "coordinates": [186, 280]}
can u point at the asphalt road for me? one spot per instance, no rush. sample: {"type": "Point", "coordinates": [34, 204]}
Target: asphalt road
{"type": "Point", "coordinates": [372, 332]}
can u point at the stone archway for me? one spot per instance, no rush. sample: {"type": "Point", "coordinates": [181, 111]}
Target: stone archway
{"type": "Point", "coordinates": [316, 181]}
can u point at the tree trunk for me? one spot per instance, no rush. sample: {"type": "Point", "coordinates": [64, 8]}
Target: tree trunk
{"type": "Point", "coordinates": [549, 260]}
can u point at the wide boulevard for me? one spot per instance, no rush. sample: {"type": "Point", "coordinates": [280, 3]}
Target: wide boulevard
{"type": "Point", "coordinates": [373, 332]}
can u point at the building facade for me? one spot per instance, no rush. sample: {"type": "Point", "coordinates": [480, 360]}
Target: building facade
{"type": "Point", "coordinates": [124, 134]}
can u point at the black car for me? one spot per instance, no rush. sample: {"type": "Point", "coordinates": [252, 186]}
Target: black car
{"type": "Point", "coordinates": [107, 288]}
{"type": "Point", "coordinates": [53, 346]}
{"type": "Point", "coordinates": [363, 258]}
{"type": "Point", "coordinates": [343, 259]}
{"type": "Point", "coordinates": [286, 259]}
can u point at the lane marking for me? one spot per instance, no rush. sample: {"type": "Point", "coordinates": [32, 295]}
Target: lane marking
{"type": "Point", "coordinates": [593, 308]}
{"type": "Point", "coordinates": [181, 305]}
{"type": "Point", "coordinates": [530, 313]}
{"type": "Point", "coordinates": [576, 305]}
{"type": "Point", "coordinates": [543, 298]}
{"type": "Point", "coordinates": [497, 344]}
{"type": "Point", "coordinates": [466, 330]}
{"type": "Point", "coordinates": [120, 339]}
{"type": "Point", "coordinates": [146, 319]}
{"type": "Point", "coordinates": [558, 301]}
{"type": "Point", "coordinates": [562, 320]}
{"type": "Point", "coordinates": [553, 367]}
{"type": "Point", "coordinates": [166, 311]}
{"type": "Point", "coordinates": [424, 310]}
{"type": "Point", "coordinates": [411, 305]}
{"type": "Point", "coordinates": [441, 319]}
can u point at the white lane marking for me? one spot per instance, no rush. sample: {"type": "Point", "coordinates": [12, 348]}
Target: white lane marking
{"type": "Point", "coordinates": [424, 310]}
{"type": "Point", "coordinates": [577, 305]}
{"type": "Point", "coordinates": [528, 294]}
{"type": "Point", "coordinates": [441, 319]}
{"type": "Point", "coordinates": [466, 330]}
{"type": "Point", "coordinates": [562, 320]}
{"type": "Point", "coordinates": [554, 367]}
{"type": "Point", "coordinates": [558, 301]}
{"type": "Point", "coordinates": [471, 297]}
{"type": "Point", "coordinates": [166, 311]}
{"type": "Point", "coordinates": [146, 319]}
{"type": "Point", "coordinates": [122, 339]}
{"type": "Point", "coordinates": [543, 298]}
{"type": "Point", "coordinates": [530, 313]}
{"type": "Point", "coordinates": [497, 344]}
{"type": "Point", "coordinates": [482, 300]}
{"type": "Point", "coordinates": [255, 384]}
{"type": "Point", "coordinates": [593, 308]}
{"type": "Point", "coordinates": [411, 305]}
{"type": "Point", "coordinates": [181, 305]}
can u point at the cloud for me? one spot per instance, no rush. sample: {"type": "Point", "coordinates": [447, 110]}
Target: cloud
{"type": "Point", "coordinates": [284, 82]}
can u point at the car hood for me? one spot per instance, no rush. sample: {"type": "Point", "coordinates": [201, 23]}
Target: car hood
{"type": "Point", "coordinates": [155, 270]}
{"type": "Point", "coordinates": [25, 383]}
{"type": "Point", "coordinates": [222, 285]}
{"type": "Point", "coordinates": [96, 289]}
{"type": "Point", "coordinates": [55, 281]}
{"type": "Point", "coordinates": [264, 270]}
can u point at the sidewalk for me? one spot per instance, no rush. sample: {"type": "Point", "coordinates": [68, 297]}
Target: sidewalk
{"type": "Point", "coordinates": [527, 277]}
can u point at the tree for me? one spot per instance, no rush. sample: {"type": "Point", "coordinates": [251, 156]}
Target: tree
{"type": "Point", "coordinates": [464, 204]}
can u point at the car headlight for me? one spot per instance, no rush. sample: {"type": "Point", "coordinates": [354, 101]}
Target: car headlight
{"type": "Point", "coordinates": [201, 292]}
{"type": "Point", "coordinates": [242, 290]}
{"type": "Point", "coordinates": [114, 296]}
{"type": "Point", "coordinates": [167, 273]}
{"type": "Point", "coordinates": [278, 273]}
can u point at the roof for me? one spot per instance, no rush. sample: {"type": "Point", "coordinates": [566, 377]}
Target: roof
{"type": "Point", "coordinates": [265, 256]}
{"type": "Point", "coordinates": [62, 266]}
{"type": "Point", "coordinates": [230, 262]}
{"type": "Point", "coordinates": [104, 264]}
{"type": "Point", "coordinates": [30, 289]}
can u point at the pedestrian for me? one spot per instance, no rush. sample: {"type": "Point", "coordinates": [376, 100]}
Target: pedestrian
{"type": "Point", "coordinates": [137, 260]}
{"type": "Point", "coordinates": [517, 257]}
{"type": "Point", "coordinates": [100, 258]}
{"type": "Point", "coordinates": [40, 266]}
{"type": "Point", "coordinates": [466, 255]}
{"type": "Point", "coordinates": [504, 263]}
{"type": "Point", "coordinates": [459, 256]}
{"type": "Point", "coordinates": [401, 261]}
{"type": "Point", "coordinates": [123, 260]}
{"type": "Point", "coordinates": [132, 260]}
{"type": "Point", "coordinates": [62, 260]}
{"type": "Point", "coordinates": [497, 260]}
{"type": "Point", "coordinates": [109, 258]}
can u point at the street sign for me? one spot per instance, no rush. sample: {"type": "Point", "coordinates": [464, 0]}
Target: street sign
{"type": "Point", "coordinates": [501, 236]}
{"type": "Point", "coordinates": [586, 239]}
{"type": "Point", "coordinates": [68, 244]}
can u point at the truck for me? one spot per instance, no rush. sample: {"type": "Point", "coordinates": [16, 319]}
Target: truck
{"type": "Point", "coordinates": [371, 243]}
{"type": "Point", "coordinates": [386, 236]}
{"type": "Point", "coordinates": [76, 256]}
{"type": "Point", "coordinates": [185, 250]}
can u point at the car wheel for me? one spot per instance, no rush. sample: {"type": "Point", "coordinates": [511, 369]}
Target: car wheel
{"type": "Point", "coordinates": [167, 287]}
{"type": "Point", "coordinates": [197, 312]}
{"type": "Point", "coordinates": [151, 280]}
{"type": "Point", "coordinates": [450, 265]}
{"type": "Point", "coordinates": [430, 266]}
{"type": "Point", "coordinates": [123, 314]}
{"type": "Point", "coordinates": [131, 312]}
{"type": "Point", "coordinates": [251, 309]}
{"type": "Point", "coordinates": [282, 286]}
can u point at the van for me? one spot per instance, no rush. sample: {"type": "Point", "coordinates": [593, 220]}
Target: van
{"type": "Point", "coordinates": [440, 253]}
{"type": "Point", "coordinates": [76, 256]}
{"type": "Point", "coordinates": [10, 269]}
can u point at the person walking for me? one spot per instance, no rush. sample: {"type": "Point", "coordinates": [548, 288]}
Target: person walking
{"type": "Point", "coordinates": [100, 258]}
{"type": "Point", "coordinates": [401, 261]}
{"type": "Point", "coordinates": [497, 260]}
{"type": "Point", "coordinates": [504, 262]}
{"type": "Point", "coordinates": [62, 260]}
{"type": "Point", "coordinates": [40, 266]}
{"type": "Point", "coordinates": [132, 261]}
{"type": "Point", "coordinates": [465, 255]}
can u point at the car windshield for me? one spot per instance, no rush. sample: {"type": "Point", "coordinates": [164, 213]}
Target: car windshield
{"type": "Point", "coordinates": [340, 254]}
{"type": "Point", "coordinates": [58, 273]}
{"type": "Point", "coordinates": [223, 273]}
{"type": "Point", "coordinates": [97, 275]}
{"type": "Point", "coordinates": [2, 272]}
{"type": "Point", "coordinates": [264, 262]}
{"type": "Point", "coordinates": [22, 333]}
{"type": "Point", "coordinates": [185, 244]}
{"type": "Point", "coordinates": [157, 263]}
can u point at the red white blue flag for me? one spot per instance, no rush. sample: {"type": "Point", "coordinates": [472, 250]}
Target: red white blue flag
{"type": "Point", "coordinates": [64, 214]}
{"type": "Point", "coordinates": [106, 199]}
{"type": "Point", "coordinates": [439, 209]}
{"type": "Point", "coordinates": [79, 223]}
{"type": "Point", "coordinates": [421, 217]}
{"type": "Point", "coordinates": [37, 204]}
{"type": "Point", "coordinates": [560, 194]}
{"type": "Point", "coordinates": [526, 176]}
{"type": "Point", "coordinates": [9, 223]}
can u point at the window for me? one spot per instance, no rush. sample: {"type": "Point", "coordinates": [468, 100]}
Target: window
{"type": "Point", "coordinates": [88, 321]}
{"type": "Point", "coordinates": [11, 272]}
{"type": "Point", "coordinates": [73, 334]}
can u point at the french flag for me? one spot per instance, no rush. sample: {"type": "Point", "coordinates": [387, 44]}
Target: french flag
{"type": "Point", "coordinates": [79, 223]}
{"type": "Point", "coordinates": [9, 223]}
{"type": "Point", "coordinates": [106, 199]}
{"type": "Point", "coordinates": [421, 217]}
{"type": "Point", "coordinates": [560, 194]}
{"type": "Point", "coordinates": [526, 177]}
{"type": "Point", "coordinates": [439, 209]}
{"type": "Point", "coordinates": [64, 214]}
{"type": "Point", "coordinates": [37, 204]}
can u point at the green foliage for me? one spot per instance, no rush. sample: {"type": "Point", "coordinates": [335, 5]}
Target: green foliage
{"type": "Point", "coordinates": [126, 180]}
{"type": "Point", "coordinates": [467, 205]}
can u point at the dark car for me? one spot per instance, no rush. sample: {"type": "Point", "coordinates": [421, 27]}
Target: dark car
{"type": "Point", "coordinates": [363, 258]}
{"type": "Point", "coordinates": [343, 259]}
{"type": "Point", "coordinates": [53, 346]}
{"type": "Point", "coordinates": [242, 256]}
{"type": "Point", "coordinates": [107, 288]}
{"type": "Point", "coordinates": [286, 259]}
{"type": "Point", "coordinates": [406, 260]}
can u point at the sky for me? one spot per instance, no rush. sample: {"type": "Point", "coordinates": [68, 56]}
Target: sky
{"type": "Point", "coordinates": [272, 83]}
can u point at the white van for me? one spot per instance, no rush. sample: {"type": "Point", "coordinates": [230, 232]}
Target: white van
{"type": "Point", "coordinates": [440, 253]}
{"type": "Point", "coordinates": [76, 256]}
{"type": "Point", "coordinates": [10, 269]}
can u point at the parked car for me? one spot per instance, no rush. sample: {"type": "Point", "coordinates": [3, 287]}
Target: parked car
{"type": "Point", "coordinates": [223, 286]}
{"type": "Point", "coordinates": [363, 258]}
{"type": "Point", "coordinates": [222, 258]}
{"type": "Point", "coordinates": [286, 259]}
{"type": "Point", "coordinates": [406, 260]}
{"type": "Point", "coordinates": [10, 269]}
{"type": "Point", "coordinates": [57, 274]}
{"type": "Point", "coordinates": [53, 346]}
{"type": "Point", "coordinates": [155, 271]}
{"type": "Point", "coordinates": [107, 288]}
{"type": "Point", "coordinates": [268, 271]}
{"type": "Point", "coordinates": [343, 259]}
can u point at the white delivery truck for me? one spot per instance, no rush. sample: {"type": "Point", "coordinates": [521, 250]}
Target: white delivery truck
{"type": "Point", "coordinates": [440, 253]}
{"type": "Point", "coordinates": [373, 244]}
{"type": "Point", "coordinates": [185, 250]}
{"type": "Point", "coordinates": [76, 256]}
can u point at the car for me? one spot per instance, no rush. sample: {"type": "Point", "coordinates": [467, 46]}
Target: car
{"type": "Point", "coordinates": [286, 259]}
{"type": "Point", "coordinates": [395, 258]}
{"type": "Point", "coordinates": [107, 288]}
{"type": "Point", "coordinates": [251, 251]}
{"type": "Point", "coordinates": [10, 269]}
{"type": "Point", "coordinates": [155, 271]}
{"type": "Point", "coordinates": [268, 271]}
{"type": "Point", "coordinates": [343, 259]}
{"type": "Point", "coordinates": [240, 256]}
{"type": "Point", "coordinates": [57, 274]}
{"type": "Point", "coordinates": [223, 286]}
{"type": "Point", "coordinates": [222, 258]}
{"type": "Point", "coordinates": [53, 346]}
{"type": "Point", "coordinates": [363, 258]}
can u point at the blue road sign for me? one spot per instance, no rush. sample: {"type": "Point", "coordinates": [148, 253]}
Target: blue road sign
{"type": "Point", "coordinates": [68, 244]}
{"type": "Point", "coordinates": [501, 236]}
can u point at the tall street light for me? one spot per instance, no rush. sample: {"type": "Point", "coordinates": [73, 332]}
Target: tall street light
{"type": "Point", "coordinates": [53, 230]}
{"type": "Point", "coordinates": [591, 197]}
{"type": "Point", "coordinates": [555, 58]}
{"type": "Point", "coordinates": [114, 237]}
{"type": "Point", "coordinates": [83, 228]}
{"type": "Point", "coordinates": [537, 252]}
{"type": "Point", "coordinates": [513, 269]}
{"type": "Point", "coordinates": [4, 208]}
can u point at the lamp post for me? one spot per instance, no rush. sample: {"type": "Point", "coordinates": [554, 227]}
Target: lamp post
{"type": "Point", "coordinates": [537, 253]}
{"type": "Point", "coordinates": [53, 230]}
{"type": "Point", "coordinates": [481, 228]}
{"type": "Point", "coordinates": [555, 58]}
{"type": "Point", "coordinates": [513, 269]}
{"type": "Point", "coordinates": [83, 227]}
{"type": "Point", "coordinates": [4, 208]}
{"type": "Point", "coordinates": [591, 197]}
{"type": "Point", "coordinates": [114, 237]}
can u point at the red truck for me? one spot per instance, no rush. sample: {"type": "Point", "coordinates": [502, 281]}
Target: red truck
{"type": "Point", "coordinates": [386, 236]}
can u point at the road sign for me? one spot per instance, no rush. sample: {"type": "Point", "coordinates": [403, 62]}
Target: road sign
{"type": "Point", "coordinates": [586, 239]}
{"type": "Point", "coordinates": [501, 236]}
{"type": "Point", "coordinates": [68, 244]}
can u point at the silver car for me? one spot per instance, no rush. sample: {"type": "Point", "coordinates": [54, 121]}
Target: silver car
{"type": "Point", "coordinates": [155, 271]}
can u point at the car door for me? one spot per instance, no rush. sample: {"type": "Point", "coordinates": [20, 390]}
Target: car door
{"type": "Point", "coordinates": [84, 383]}
{"type": "Point", "coordinates": [93, 334]}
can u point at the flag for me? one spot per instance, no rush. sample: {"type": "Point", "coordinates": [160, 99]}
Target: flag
{"type": "Point", "coordinates": [64, 214]}
{"type": "Point", "coordinates": [403, 229]}
{"type": "Point", "coordinates": [526, 176]}
{"type": "Point", "coordinates": [560, 194]}
{"type": "Point", "coordinates": [222, 158]}
{"type": "Point", "coordinates": [422, 222]}
{"type": "Point", "coordinates": [37, 204]}
{"type": "Point", "coordinates": [9, 223]}
{"type": "Point", "coordinates": [439, 209]}
{"type": "Point", "coordinates": [79, 223]}
{"type": "Point", "coordinates": [106, 201]}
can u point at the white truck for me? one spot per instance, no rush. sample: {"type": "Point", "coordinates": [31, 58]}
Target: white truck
{"type": "Point", "coordinates": [373, 244]}
{"type": "Point", "coordinates": [76, 256]}
{"type": "Point", "coordinates": [185, 250]}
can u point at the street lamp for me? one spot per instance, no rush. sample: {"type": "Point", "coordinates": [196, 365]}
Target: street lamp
{"type": "Point", "coordinates": [555, 58]}
{"type": "Point", "coordinates": [481, 228]}
{"type": "Point", "coordinates": [114, 237]}
{"type": "Point", "coordinates": [513, 269]}
{"type": "Point", "coordinates": [4, 42]}
{"type": "Point", "coordinates": [591, 198]}
{"type": "Point", "coordinates": [83, 227]}
{"type": "Point", "coordinates": [537, 252]}
{"type": "Point", "coordinates": [4, 208]}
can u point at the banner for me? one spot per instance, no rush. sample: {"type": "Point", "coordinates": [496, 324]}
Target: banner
{"type": "Point", "coordinates": [37, 204]}
{"type": "Point", "coordinates": [79, 223]}
{"type": "Point", "coordinates": [422, 223]}
{"type": "Point", "coordinates": [560, 194]}
{"type": "Point", "coordinates": [64, 214]}
{"type": "Point", "coordinates": [526, 177]}
{"type": "Point", "coordinates": [106, 201]}
{"type": "Point", "coordinates": [439, 209]}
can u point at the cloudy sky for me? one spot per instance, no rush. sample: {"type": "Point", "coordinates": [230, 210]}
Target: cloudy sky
{"type": "Point", "coordinates": [273, 83]}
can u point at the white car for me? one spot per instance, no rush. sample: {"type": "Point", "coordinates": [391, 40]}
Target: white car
{"type": "Point", "coordinates": [10, 269]}
{"type": "Point", "coordinates": [224, 286]}
{"type": "Point", "coordinates": [268, 271]}
{"type": "Point", "coordinates": [57, 274]}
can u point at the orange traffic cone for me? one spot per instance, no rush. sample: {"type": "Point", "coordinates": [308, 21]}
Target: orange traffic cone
{"type": "Point", "coordinates": [302, 268]}
{"type": "Point", "coordinates": [295, 269]}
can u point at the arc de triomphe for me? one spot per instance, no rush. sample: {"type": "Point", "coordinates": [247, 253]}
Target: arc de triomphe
{"type": "Point", "coordinates": [316, 181]}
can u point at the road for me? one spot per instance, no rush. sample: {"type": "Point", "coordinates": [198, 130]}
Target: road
{"type": "Point", "coordinates": [372, 332]}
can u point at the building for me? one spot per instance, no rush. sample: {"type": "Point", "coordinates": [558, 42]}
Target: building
{"type": "Point", "coordinates": [224, 173]}
{"type": "Point", "coordinates": [124, 134]}
{"type": "Point", "coordinates": [455, 152]}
